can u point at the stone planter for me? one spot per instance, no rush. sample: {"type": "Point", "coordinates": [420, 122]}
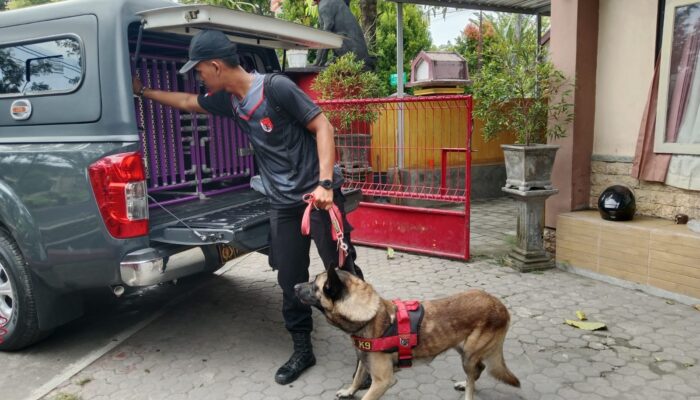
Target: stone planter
{"type": "Point", "coordinates": [529, 254]}
{"type": "Point", "coordinates": [353, 149]}
{"type": "Point", "coordinates": [529, 167]}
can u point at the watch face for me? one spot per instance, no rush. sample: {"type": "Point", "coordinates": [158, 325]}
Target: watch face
{"type": "Point", "coordinates": [326, 184]}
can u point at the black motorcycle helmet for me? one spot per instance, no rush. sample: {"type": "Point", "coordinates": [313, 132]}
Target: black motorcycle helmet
{"type": "Point", "coordinates": [617, 203]}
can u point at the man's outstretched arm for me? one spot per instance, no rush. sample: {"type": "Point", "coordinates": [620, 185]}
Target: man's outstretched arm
{"type": "Point", "coordinates": [182, 101]}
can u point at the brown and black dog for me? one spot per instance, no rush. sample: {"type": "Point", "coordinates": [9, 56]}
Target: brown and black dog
{"type": "Point", "coordinates": [474, 323]}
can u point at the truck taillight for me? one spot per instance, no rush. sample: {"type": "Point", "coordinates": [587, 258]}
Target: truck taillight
{"type": "Point", "coordinates": [119, 184]}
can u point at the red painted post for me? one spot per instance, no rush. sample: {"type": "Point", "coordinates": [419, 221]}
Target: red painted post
{"type": "Point", "coordinates": [443, 171]}
{"type": "Point", "coordinates": [468, 178]}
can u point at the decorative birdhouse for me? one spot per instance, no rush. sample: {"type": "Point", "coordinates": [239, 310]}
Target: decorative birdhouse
{"type": "Point", "coordinates": [439, 72]}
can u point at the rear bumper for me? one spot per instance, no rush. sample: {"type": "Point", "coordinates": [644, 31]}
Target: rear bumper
{"type": "Point", "coordinates": [149, 266]}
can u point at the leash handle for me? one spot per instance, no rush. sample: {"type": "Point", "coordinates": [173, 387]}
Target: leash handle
{"type": "Point", "coordinates": [336, 226]}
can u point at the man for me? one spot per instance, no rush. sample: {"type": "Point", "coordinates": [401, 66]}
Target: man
{"type": "Point", "coordinates": [295, 153]}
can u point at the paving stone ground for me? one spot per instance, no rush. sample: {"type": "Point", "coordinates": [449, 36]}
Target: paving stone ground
{"type": "Point", "coordinates": [226, 340]}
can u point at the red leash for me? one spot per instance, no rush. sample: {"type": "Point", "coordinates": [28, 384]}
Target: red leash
{"type": "Point", "coordinates": [336, 226]}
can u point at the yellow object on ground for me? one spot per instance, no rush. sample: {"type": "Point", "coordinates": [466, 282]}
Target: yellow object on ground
{"type": "Point", "coordinates": [581, 315]}
{"type": "Point", "coordinates": [587, 326]}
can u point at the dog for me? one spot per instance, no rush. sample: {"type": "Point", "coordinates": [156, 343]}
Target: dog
{"type": "Point", "coordinates": [474, 323]}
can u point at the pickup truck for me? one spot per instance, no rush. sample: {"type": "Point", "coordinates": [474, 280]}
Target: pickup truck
{"type": "Point", "coordinates": [99, 188]}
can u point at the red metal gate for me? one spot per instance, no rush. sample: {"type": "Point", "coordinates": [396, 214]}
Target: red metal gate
{"type": "Point", "coordinates": [412, 158]}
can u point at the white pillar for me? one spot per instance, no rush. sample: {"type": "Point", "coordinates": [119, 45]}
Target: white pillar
{"type": "Point", "coordinates": [399, 49]}
{"type": "Point", "coordinates": [399, 82]}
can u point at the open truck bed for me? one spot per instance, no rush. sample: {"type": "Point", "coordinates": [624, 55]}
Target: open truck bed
{"type": "Point", "coordinates": [239, 219]}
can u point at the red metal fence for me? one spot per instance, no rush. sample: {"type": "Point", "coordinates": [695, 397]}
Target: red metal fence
{"type": "Point", "coordinates": [411, 157]}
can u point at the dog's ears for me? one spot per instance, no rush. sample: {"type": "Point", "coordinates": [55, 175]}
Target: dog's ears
{"type": "Point", "coordinates": [334, 287]}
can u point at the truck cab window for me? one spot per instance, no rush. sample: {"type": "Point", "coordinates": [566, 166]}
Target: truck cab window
{"type": "Point", "coordinates": [51, 66]}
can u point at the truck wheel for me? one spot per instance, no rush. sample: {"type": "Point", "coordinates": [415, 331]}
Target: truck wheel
{"type": "Point", "coordinates": [19, 323]}
{"type": "Point", "coordinates": [217, 255]}
{"type": "Point", "coordinates": [212, 260]}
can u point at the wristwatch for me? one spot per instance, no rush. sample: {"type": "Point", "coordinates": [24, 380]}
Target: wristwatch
{"type": "Point", "coordinates": [326, 184]}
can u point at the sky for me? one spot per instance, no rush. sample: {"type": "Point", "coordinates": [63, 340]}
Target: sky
{"type": "Point", "coordinates": [448, 28]}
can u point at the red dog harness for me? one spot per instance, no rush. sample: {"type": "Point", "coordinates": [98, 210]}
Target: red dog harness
{"type": "Point", "coordinates": [402, 335]}
{"type": "Point", "coordinates": [336, 228]}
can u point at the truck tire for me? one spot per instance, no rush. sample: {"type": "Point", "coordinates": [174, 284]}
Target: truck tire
{"type": "Point", "coordinates": [212, 261]}
{"type": "Point", "coordinates": [18, 313]}
{"type": "Point", "coordinates": [213, 255]}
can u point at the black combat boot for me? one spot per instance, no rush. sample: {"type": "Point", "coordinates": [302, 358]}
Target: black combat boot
{"type": "Point", "coordinates": [301, 359]}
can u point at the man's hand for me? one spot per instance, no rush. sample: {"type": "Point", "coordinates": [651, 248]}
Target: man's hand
{"type": "Point", "coordinates": [136, 86]}
{"type": "Point", "coordinates": [323, 197]}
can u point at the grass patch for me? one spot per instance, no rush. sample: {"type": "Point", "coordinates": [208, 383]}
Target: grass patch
{"type": "Point", "coordinates": [478, 257]}
{"type": "Point", "coordinates": [502, 260]}
{"type": "Point", "coordinates": [510, 240]}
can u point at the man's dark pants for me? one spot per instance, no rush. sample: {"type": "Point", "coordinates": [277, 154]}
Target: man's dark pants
{"type": "Point", "coordinates": [289, 255]}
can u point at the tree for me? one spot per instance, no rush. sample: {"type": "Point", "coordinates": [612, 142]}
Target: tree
{"type": "Point", "coordinates": [302, 12]}
{"type": "Point", "coordinates": [255, 6]}
{"type": "Point", "coordinates": [416, 33]}
{"type": "Point", "coordinates": [518, 91]}
{"type": "Point", "coordinates": [11, 73]}
{"type": "Point", "coordinates": [368, 20]}
{"type": "Point", "coordinates": [472, 42]}
{"type": "Point", "coordinates": [416, 38]}
{"type": "Point", "coordinates": [15, 4]}
{"type": "Point", "coordinates": [479, 36]}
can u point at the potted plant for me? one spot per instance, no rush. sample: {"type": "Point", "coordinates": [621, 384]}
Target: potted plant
{"type": "Point", "coordinates": [301, 12]}
{"type": "Point", "coordinates": [515, 91]}
{"type": "Point", "coordinates": [347, 79]}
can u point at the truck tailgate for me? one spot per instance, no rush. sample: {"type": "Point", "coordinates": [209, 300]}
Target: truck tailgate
{"type": "Point", "coordinates": [239, 219]}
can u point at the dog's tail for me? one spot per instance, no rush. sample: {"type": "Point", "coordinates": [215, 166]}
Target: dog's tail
{"type": "Point", "coordinates": [497, 366]}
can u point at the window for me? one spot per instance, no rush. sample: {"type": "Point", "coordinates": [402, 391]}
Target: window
{"type": "Point", "coordinates": [677, 115]}
{"type": "Point", "coordinates": [49, 66]}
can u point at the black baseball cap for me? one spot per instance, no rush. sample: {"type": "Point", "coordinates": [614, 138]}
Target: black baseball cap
{"type": "Point", "coordinates": [209, 45]}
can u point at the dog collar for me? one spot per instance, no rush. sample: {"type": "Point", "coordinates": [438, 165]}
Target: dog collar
{"type": "Point", "coordinates": [402, 335]}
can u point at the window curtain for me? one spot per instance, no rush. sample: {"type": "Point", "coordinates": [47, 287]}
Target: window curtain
{"type": "Point", "coordinates": [683, 125]}
{"type": "Point", "coordinates": [684, 170]}
{"type": "Point", "coordinates": [650, 166]}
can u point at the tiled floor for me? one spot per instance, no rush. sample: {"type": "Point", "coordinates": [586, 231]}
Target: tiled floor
{"type": "Point", "coordinates": [492, 226]}
{"type": "Point", "coordinates": [227, 339]}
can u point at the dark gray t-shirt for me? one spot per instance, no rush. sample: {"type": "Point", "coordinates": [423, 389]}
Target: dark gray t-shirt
{"type": "Point", "coordinates": [285, 150]}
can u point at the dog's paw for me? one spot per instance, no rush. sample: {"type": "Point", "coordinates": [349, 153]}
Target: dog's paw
{"type": "Point", "coordinates": [344, 394]}
{"type": "Point", "coordinates": [461, 386]}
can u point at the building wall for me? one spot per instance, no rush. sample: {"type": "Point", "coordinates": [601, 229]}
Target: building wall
{"type": "Point", "coordinates": [626, 45]}
{"type": "Point", "coordinates": [574, 50]}
{"type": "Point", "coordinates": [653, 199]}
{"type": "Point", "coordinates": [625, 68]}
